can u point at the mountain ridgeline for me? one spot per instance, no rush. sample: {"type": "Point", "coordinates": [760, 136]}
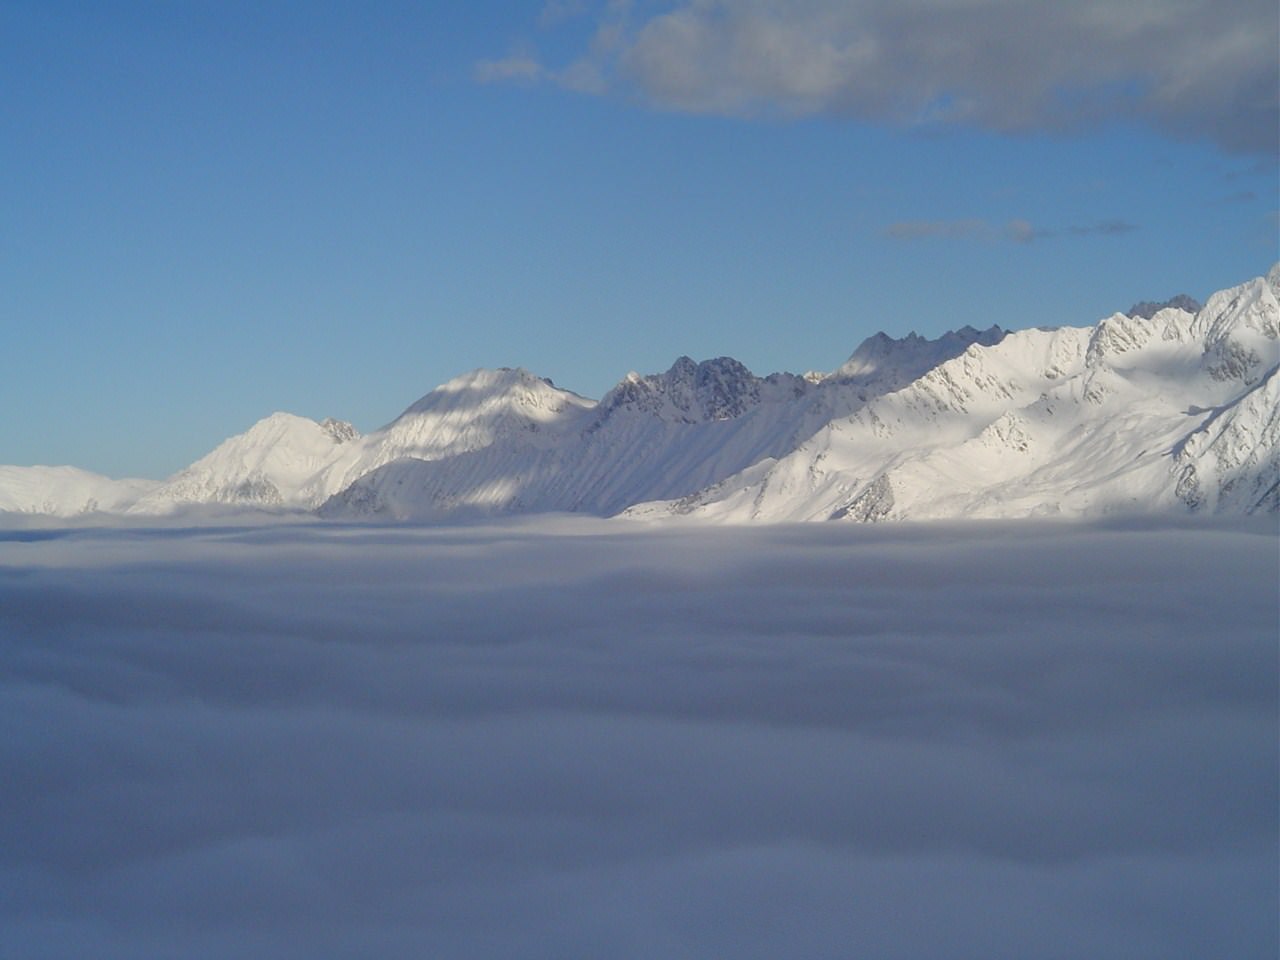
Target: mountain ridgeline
{"type": "Point", "coordinates": [1171, 407]}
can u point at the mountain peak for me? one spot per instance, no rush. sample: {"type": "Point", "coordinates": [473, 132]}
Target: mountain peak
{"type": "Point", "coordinates": [339, 430]}
{"type": "Point", "coordinates": [483, 380]}
{"type": "Point", "coordinates": [898, 361]}
{"type": "Point", "coordinates": [267, 465]}
{"type": "Point", "coordinates": [689, 392]}
{"type": "Point", "coordinates": [491, 389]}
{"type": "Point", "coordinates": [1147, 309]}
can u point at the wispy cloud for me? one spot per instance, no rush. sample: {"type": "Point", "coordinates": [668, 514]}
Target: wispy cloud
{"type": "Point", "coordinates": [522, 68]}
{"type": "Point", "coordinates": [1201, 69]}
{"type": "Point", "coordinates": [557, 11]}
{"type": "Point", "coordinates": [947, 229]}
{"type": "Point", "coordinates": [1240, 196]}
{"type": "Point", "coordinates": [1017, 230]}
{"type": "Point", "coordinates": [1023, 231]}
{"type": "Point", "coordinates": [1104, 228]}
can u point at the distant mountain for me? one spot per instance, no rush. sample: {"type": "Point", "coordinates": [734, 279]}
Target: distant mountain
{"type": "Point", "coordinates": [886, 364]}
{"type": "Point", "coordinates": [1148, 308]}
{"type": "Point", "coordinates": [1169, 407]}
{"type": "Point", "coordinates": [269, 465]}
{"type": "Point", "coordinates": [66, 491]}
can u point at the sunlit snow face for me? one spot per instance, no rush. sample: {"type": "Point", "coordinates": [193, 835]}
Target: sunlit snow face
{"type": "Point", "coordinates": [599, 740]}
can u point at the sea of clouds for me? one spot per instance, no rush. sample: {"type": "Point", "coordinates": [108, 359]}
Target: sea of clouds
{"type": "Point", "coordinates": [577, 738]}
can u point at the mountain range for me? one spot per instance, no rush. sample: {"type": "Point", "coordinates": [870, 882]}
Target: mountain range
{"type": "Point", "coordinates": [1169, 407]}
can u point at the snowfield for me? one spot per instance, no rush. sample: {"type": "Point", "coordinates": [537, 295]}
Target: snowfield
{"type": "Point", "coordinates": [584, 738]}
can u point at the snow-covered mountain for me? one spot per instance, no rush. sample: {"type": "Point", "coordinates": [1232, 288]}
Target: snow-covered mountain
{"type": "Point", "coordinates": [269, 465]}
{"type": "Point", "coordinates": [505, 407]}
{"type": "Point", "coordinates": [1167, 407]}
{"type": "Point", "coordinates": [649, 437]}
{"type": "Point", "coordinates": [293, 462]}
{"type": "Point", "coordinates": [660, 436]}
{"type": "Point", "coordinates": [66, 491]}
{"type": "Point", "coordinates": [885, 364]}
{"type": "Point", "coordinates": [1172, 411]}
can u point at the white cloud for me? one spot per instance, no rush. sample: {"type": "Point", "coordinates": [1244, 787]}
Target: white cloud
{"type": "Point", "coordinates": [595, 739]}
{"type": "Point", "coordinates": [1203, 69]}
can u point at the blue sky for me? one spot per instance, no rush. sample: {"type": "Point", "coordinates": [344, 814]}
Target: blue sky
{"type": "Point", "coordinates": [215, 210]}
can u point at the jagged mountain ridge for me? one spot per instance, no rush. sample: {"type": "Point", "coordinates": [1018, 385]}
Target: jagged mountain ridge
{"type": "Point", "coordinates": [1160, 408]}
{"type": "Point", "coordinates": [651, 437]}
{"type": "Point", "coordinates": [1176, 411]}
{"type": "Point", "coordinates": [1147, 309]}
{"type": "Point", "coordinates": [888, 364]}
{"type": "Point", "coordinates": [505, 440]}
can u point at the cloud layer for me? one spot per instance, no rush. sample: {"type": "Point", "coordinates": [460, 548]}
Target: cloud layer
{"type": "Point", "coordinates": [1195, 69]}
{"type": "Point", "coordinates": [997, 741]}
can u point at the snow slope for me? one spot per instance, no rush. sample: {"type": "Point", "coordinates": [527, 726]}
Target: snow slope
{"type": "Point", "coordinates": [266, 466]}
{"type": "Point", "coordinates": [885, 364]}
